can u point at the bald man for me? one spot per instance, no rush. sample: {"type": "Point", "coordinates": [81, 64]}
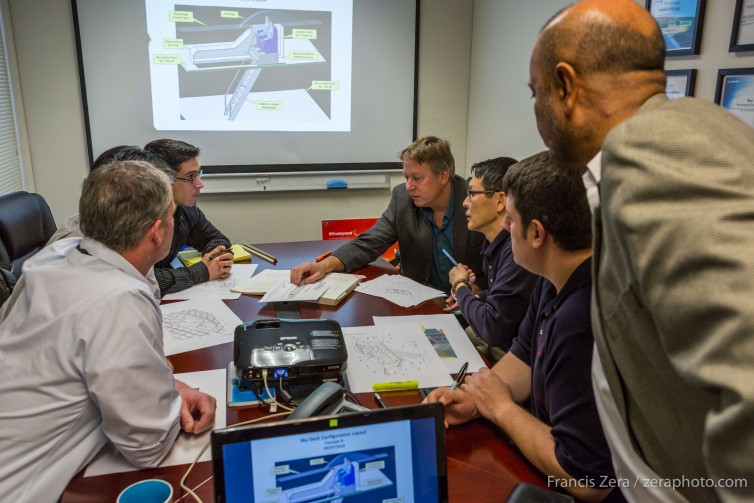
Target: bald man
{"type": "Point", "coordinates": [672, 185]}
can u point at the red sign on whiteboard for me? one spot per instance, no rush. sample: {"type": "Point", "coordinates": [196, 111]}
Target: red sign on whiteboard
{"type": "Point", "coordinates": [349, 228]}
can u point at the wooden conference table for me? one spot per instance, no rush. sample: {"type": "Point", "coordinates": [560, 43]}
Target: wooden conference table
{"type": "Point", "coordinates": [482, 466]}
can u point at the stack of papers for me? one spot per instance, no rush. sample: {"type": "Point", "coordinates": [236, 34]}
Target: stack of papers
{"type": "Point", "coordinates": [275, 285]}
{"type": "Point", "coordinates": [399, 290]}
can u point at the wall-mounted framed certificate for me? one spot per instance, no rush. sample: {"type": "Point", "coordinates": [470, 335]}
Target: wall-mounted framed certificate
{"type": "Point", "coordinates": [680, 83]}
{"type": "Point", "coordinates": [742, 33]}
{"type": "Point", "coordinates": [735, 92]}
{"type": "Point", "coordinates": [681, 24]}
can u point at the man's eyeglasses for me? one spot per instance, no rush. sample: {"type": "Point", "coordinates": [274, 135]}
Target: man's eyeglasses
{"type": "Point", "coordinates": [472, 193]}
{"type": "Point", "coordinates": [191, 178]}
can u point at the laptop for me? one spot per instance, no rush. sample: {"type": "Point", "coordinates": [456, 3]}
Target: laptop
{"type": "Point", "coordinates": [394, 455]}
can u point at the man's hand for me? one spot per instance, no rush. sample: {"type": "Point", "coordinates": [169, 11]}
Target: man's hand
{"type": "Point", "coordinates": [461, 271]}
{"type": "Point", "coordinates": [450, 303]}
{"type": "Point", "coordinates": [197, 409]}
{"type": "Point", "coordinates": [308, 272]}
{"type": "Point", "coordinates": [488, 392]}
{"type": "Point", "coordinates": [459, 406]}
{"type": "Point", "coordinates": [311, 272]}
{"type": "Point", "coordinates": [218, 262]}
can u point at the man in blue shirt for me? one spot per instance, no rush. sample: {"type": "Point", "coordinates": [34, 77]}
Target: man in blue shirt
{"type": "Point", "coordinates": [550, 360]}
{"type": "Point", "coordinates": [495, 313]}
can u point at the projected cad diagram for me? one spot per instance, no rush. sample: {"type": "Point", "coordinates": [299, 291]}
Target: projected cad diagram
{"type": "Point", "coordinates": [236, 67]}
{"type": "Point", "coordinates": [357, 476]}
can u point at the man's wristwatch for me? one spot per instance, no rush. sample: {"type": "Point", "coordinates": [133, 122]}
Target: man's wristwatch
{"type": "Point", "coordinates": [454, 288]}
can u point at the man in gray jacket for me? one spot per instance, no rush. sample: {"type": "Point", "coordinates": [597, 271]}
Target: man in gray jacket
{"type": "Point", "coordinates": [425, 216]}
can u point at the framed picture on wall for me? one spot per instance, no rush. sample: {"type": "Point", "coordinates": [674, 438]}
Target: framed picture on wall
{"type": "Point", "coordinates": [742, 34]}
{"type": "Point", "coordinates": [680, 83]}
{"type": "Point", "coordinates": [735, 92]}
{"type": "Point", "coordinates": [681, 24]}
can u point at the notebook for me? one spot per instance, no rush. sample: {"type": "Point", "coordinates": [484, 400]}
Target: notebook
{"type": "Point", "coordinates": [394, 454]}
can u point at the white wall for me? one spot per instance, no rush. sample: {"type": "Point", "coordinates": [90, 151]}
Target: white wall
{"type": "Point", "coordinates": [46, 53]}
{"type": "Point", "coordinates": [501, 119]}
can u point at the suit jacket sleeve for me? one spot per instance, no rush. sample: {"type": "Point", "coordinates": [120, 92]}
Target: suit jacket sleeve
{"type": "Point", "coordinates": [680, 205]}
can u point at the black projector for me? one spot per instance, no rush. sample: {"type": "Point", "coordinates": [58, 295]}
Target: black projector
{"type": "Point", "coordinates": [296, 351]}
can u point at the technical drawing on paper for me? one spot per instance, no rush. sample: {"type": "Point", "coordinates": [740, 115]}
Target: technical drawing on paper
{"type": "Point", "coordinates": [191, 324]}
{"type": "Point", "coordinates": [392, 354]}
{"type": "Point", "coordinates": [398, 291]}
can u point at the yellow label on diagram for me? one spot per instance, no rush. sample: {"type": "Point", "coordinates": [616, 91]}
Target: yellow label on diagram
{"type": "Point", "coordinates": [325, 85]}
{"type": "Point", "coordinates": [181, 16]}
{"type": "Point", "coordinates": [166, 59]}
{"type": "Point", "coordinates": [305, 34]}
{"type": "Point", "coordinates": [230, 14]}
{"type": "Point", "coordinates": [302, 55]}
{"type": "Point", "coordinates": [172, 43]}
{"type": "Point", "coordinates": [269, 105]}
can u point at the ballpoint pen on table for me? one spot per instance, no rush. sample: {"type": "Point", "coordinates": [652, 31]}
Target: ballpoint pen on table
{"type": "Point", "coordinates": [324, 256]}
{"type": "Point", "coordinates": [460, 376]}
{"type": "Point", "coordinates": [379, 401]}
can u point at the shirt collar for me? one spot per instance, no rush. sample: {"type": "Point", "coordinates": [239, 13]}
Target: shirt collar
{"type": "Point", "coordinates": [100, 251]}
{"type": "Point", "coordinates": [580, 277]}
{"type": "Point", "coordinates": [447, 217]}
{"type": "Point", "coordinates": [488, 248]}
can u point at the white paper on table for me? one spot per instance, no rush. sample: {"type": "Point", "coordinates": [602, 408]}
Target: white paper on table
{"type": "Point", "coordinates": [218, 288]}
{"type": "Point", "coordinates": [262, 282]}
{"type": "Point", "coordinates": [285, 291]}
{"type": "Point", "coordinates": [443, 331]}
{"type": "Point", "coordinates": [196, 324]}
{"type": "Point", "coordinates": [186, 446]}
{"type": "Point", "coordinates": [391, 353]}
{"type": "Point", "coordinates": [399, 290]}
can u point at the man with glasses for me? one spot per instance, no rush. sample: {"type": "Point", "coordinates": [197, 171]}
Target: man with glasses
{"type": "Point", "coordinates": [496, 313]}
{"type": "Point", "coordinates": [191, 226]}
{"type": "Point", "coordinates": [425, 216]}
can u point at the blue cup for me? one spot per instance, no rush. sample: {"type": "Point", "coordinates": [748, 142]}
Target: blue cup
{"type": "Point", "coordinates": [147, 491]}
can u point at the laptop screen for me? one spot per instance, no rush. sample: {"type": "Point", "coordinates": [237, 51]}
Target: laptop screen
{"type": "Point", "coordinates": [394, 455]}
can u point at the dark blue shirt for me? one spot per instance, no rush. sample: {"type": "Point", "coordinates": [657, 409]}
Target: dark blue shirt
{"type": "Point", "coordinates": [441, 265]}
{"type": "Point", "coordinates": [496, 314]}
{"type": "Point", "coordinates": [555, 340]}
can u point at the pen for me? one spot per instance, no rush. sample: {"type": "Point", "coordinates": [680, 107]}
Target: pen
{"type": "Point", "coordinates": [394, 386]}
{"type": "Point", "coordinates": [450, 257]}
{"type": "Point", "coordinates": [324, 256]}
{"type": "Point", "coordinates": [378, 398]}
{"type": "Point", "coordinates": [460, 376]}
{"type": "Point", "coordinates": [259, 253]}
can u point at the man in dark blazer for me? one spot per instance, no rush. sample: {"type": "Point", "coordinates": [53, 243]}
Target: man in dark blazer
{"type": "Point", "coordinates": [673, 270]}
{"type": "Point", "coordinates": [425, 216]}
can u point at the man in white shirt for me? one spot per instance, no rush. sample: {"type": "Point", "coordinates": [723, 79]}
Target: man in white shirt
{"type": "Point", "coordinates": [81, 355]}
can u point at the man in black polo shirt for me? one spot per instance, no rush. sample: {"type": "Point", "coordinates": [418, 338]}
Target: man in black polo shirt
{"type": "Point", "coordinates": [191, 226]}
{"type": "Point", "coordinates": [549, 362]}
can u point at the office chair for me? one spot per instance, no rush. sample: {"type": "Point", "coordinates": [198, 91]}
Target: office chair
{"type": "Point", "coordinates": [26, 224]}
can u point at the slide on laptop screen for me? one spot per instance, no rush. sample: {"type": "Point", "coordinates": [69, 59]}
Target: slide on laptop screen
{"type": "Point", "coordinates": [394, 455]}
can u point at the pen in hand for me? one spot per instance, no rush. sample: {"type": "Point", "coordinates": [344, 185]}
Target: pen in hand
{"type": "Point", "coordinates": [450, 257]}
{"type": "Point", "coordinates": [460, 376]}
